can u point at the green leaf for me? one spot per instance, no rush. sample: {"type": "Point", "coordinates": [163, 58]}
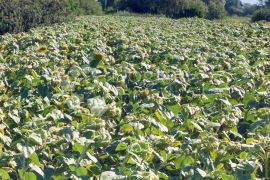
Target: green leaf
{"type": "Point", "coordinates": [27, 175]}
{"type": "Point", "coordinates": [126, 128]}
{"type": "Point", "coordinates": [212, 124]}
{"type": "Point", "coordinates": [56, 114]}
{"type": "Point", "coordinates": [183, 161]}
{"type": "Point", "coordinates": [26, 150]}
{"type": "Point", "coordinates": [36, 138]}
{"type": "Point", "coordinates": [59, 178]}
{"type": "Point", "coordinates": [257, 124]}
{"type": "Point", "coordinates": [91, 157]}
{"type": "Point", "coordinates": [14, 115]}
{"type": "Point", "coordinates": [97, 106]}
{"type": "Point", "coordinates": [196, 126]}
{"type": "Point", "coordinates": [131, 161]}
{"type": "Point", "coordinates": [72, 167]}
{"type": "Point", "coordinates": [243, 155]}
{"type": "Point", "coordinates": [124, 170]}
{"type": "Point", "coordinates": [4, 174]}
{"type": "Point", "coordinates": [213, 154]}
{"type": "Point", "coordinates": [121, 147]}
{"type": "Point", "coordinates": [201, 172]}
{"type": "Point", "coordinates": [250, 140]}
{"type": "Point", "coordinates": [37, 169]}
{"type": "Point", "coordinates": [159, 125]}
{"type": "Point", "coordinates": [249, 98]}
{"type": "Point", "coordinates": [34, 159]}
{"type": "Point", "coordinates": [137, 125]}
{"type": "Point", "coordinates": [160, 118]}
{"type": "Point", "coordinates": [164, 156]}
{"type": "Point", "coordinates": [176, 108]}
{"type": "Point", "coordinates": [162, 176]}
{"type": "Point", "coordinates": [30, 176]}
{"type": "Point", "coordinates": [77, 148]}
{"type": "Point", "coordinates": [95, 170]}
{"type": "Point", "coordinates": [81, 171]}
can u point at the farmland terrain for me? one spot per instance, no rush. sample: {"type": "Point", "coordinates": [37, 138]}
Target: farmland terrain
{"type": "Point", "coordinates": [137, 98]}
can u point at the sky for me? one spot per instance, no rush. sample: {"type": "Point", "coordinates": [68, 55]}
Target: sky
{"type": "Point", "coordinates": [250, 1]}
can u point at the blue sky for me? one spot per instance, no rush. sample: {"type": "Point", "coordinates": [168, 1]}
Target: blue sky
{"type": "Point", "coordinates": [250, 1]}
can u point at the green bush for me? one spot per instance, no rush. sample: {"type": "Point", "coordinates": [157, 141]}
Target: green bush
{"type": "Point", "coordinates": [91, 7]}
{"type": "Point", "coordinates": [82, 7]}
{"type": "Point", "coordinates": [216, 10]}
{"type": "Point", "coordinates": [171, 8]}
{"type": "Point", "coordinates": [195, 9]}
{"type": "Point", "coordinates": [261, 14]}
{"type": "Point", "coordinates": [21, 15]}
{"type": "Point", "coordinates": [212, 9]}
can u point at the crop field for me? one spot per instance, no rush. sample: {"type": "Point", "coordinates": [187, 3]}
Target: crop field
{"type": "Point", "coordinates": [115, 97]}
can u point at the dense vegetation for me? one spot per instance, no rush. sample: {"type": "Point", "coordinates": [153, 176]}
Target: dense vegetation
{"type": "Point", "coordinates": [212, 9]}
{"type": "Point", "coordinates": [143, 98]}
{"type": "Point", "coordinates": [262, 13]}
{"type": "Point", "coordinates": [21, 15]}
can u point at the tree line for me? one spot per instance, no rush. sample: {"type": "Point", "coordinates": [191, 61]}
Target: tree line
{"type": "Point", "coordinates": [21, 15]}
{"type": "Point", "coordinates": [211, 9]}
{"type": "Point", "coordinates": [263, 12]}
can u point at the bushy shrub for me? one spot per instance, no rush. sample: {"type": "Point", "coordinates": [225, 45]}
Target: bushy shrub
{"type": "Point", "coordinates": [249, 9]}
{"type": "Point", "coordinates": [91, 7]}
{"type": "Point", "coordinates": [216, 10]}
{"type": "Point", "coordinates": [212, 9]}
{"type": "Point", "coordinates": [82, 7]}
{"type": "Point", "coordinates": [21, 15]}
{"type": "Point", "coordinates": [171, 8]}
{"type": "Point", "coordinates": [195, 9]}
{"type": "Point", "coordinates": [261, 14]}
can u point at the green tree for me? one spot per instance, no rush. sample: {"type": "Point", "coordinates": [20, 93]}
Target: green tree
{"type": "Point", "coordinates": [21, 15]}
{"type": "Point", "coordinates": [82, 7]}
{"type": "Point", "coordinates": [262, 13]}
{"type": "Point", "coordinates": [216, 9]}
{"type": "Point", "coordinates": [249, 9]}
{"type": "Point", "coordinates": [234, 7]}
{"type": "Point", "coordinates": [171, 8]}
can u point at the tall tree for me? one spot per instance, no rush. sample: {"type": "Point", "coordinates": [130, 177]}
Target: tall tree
{"type": "Point", "coordinates": [216, 9]}
{"type": "Point", "coordinates": [234, 7]}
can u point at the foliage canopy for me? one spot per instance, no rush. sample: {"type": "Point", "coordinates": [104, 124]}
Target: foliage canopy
{"type": "Point", "coordinates": [21, 15]}
{"type": "Point", "coordinates": [173, 8]}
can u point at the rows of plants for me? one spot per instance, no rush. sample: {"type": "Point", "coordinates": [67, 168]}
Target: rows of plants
{"type": "Point", "coordinates": [136, 98]}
